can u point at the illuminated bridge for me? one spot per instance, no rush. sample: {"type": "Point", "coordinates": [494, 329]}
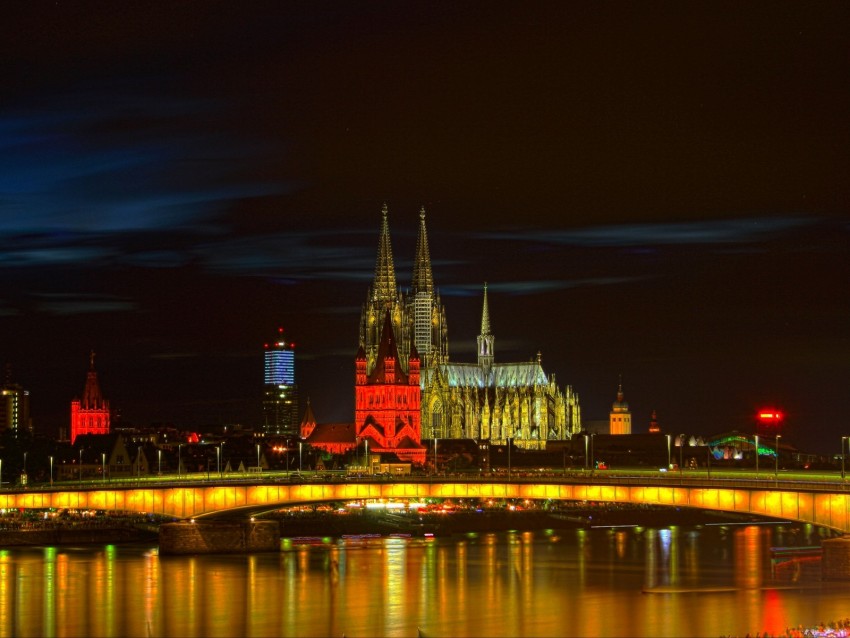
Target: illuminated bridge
{"type": "Point", "coordinates": [821, 503]}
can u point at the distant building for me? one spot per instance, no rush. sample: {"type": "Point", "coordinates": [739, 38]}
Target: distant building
{"type": "Point", "coordinates": [654, 428]}
{"type": "Point", "coordinates": [14, 407]}
{"type": "Point", "coordinates": [620, 419]}
{"type": "Point", "coordinates": [280, 392]}
{"type": "Point", "coordinates": [90, 415]}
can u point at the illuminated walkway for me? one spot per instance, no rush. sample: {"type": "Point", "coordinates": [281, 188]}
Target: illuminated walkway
{"type": "Point", "coordinates": [824, 504]}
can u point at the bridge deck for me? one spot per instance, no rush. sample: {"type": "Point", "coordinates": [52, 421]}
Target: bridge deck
{"type": "Point", "coordinates": [819, 503]}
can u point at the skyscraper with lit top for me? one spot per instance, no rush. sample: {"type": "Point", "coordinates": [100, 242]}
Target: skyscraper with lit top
{"type": "Point", "coordinates": [280, 394]}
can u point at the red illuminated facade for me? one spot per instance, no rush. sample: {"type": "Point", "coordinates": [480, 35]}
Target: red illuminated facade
{"type": "Point", "coordinates": [387, 401]}
{"type": "Point", "coordinates": [90, 415]}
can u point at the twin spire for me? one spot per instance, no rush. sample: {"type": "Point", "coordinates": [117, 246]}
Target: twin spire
{"type": "Point", "coordinates": [384, 289]}
{"type": "Point", "coordinates": [423, 280]}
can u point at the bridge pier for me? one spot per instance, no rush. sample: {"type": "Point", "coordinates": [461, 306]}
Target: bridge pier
{"type": "Point", "coordinates": [219, 537]}
{"type": "Point", "coordinates": [835, 564]}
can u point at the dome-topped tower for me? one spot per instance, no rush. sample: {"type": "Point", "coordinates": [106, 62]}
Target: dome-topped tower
{"type": "Point", "coordinates": [620, 419]}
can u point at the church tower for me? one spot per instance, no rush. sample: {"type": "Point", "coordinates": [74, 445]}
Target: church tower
{"type": "Point", "coordinates": [485, 339]}
{"type": "Point", "coordinates": [426, 315]}
{"type": "Point", "coordinates": [383, 296]}
{"type": "Point", "coordinates": [387, 400]}
{"type": "Point", "coordinates": [91, 414]}
{"type": "Point", "coordinates": [620, 417]}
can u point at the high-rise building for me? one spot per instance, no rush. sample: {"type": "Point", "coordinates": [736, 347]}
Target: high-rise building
{"type": "Point", "coordinates": [90, 415]}
{"type": "Point", "coordinates": [14, 406]}
{"type": "Point", "coordinates": [280, 393]}
{"type": "Point", "coordinates": [620, 419]}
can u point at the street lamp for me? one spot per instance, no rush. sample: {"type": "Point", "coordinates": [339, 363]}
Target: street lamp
{"type": "Point", "coordinates": [757, 455]}
{"type": "Point", "coordinates": [776, 453]}
{"type": "Point", "coordinates": [669, 437]}
{"type": "Point", "coordinates": [51, 471]}
{"type": "Point", "coordinates": [258, 457]}
{"type": "Point", "coordinates": [586, 457]}
{"type": "Point", "coordinates": [435, 453]}
{"type": "Point", "coordinates": [592, 455]}
{"type": "Point", "coordinates": [159, 461]}
{"type": "Point", "coordinates": [218, 460]}
{"type": "Point", "coordinates": [843, 438]}
{"type": "Point", "coordinates": [681, 453]}
{"type": "Point", "coordinates": [103, 465]}
{"type": "Point", "coordinates": [300, 444]}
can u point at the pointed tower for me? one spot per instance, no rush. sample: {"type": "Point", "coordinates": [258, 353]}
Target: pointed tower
{"type": "Point", "coordinates": [620, 419]}
{"type": "Point", "coordinates": [485, 339]}
{"type": "Point", "coordinates": [426, 316]}
{"type": "Point", "coordinates": [91, 414]}
{"type": "Point", "coordinates": [383, 296]}
{"type": "Point", "coordinates": [387, 402]}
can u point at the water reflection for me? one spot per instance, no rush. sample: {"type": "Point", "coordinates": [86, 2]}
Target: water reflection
{"type": "Point", "coordinates": [598, 582]}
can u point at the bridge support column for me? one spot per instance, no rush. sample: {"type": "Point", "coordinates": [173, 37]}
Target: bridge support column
{"type": "Point", "coordinates": [835, 564]}
{"type": "Point", "coordinates": [219, 537]}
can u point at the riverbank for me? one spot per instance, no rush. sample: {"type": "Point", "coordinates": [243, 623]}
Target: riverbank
{"type": "Point", "coordinates": [323, 523]}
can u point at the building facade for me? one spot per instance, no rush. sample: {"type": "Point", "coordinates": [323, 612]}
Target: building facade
{"type": "Point", "coordinates": [14, 408]}
{"type": "Point", "coordinates": [280, 391]}
{"type": "Point", "coordinates": [90, 415]}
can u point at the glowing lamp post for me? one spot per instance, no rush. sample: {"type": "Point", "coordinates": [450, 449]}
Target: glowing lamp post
{"type": "Point", "coordinates": [669, 437]}
{"type": "Point", "coordinates": [51, 471]}
{"type": "Point", "coordinates": [681, 453]}
{"type": "Point", "coordinates": [586, 457]}
{"type": "Point", "coordinates": [103, 466]}
{"type": "Point", "coordinates": [776, 453]}
{"type": "Point", "coordinates": [757, 454]}
{"type": "Point", "coordinates": [258, 457]}
{"type": "Point", "coordinates": [843, 438]}
{"type": "Point", "coordinates": [159, 462]}
{"type": "Point", "coordinates": [300, 444]}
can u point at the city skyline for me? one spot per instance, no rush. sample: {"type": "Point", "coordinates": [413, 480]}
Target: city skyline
{"type": "Point", "coordinates": [654, 191]}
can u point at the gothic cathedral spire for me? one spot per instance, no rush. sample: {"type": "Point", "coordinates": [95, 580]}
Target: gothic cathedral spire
{"type": "Point", "coordinates": [384, 289]}
{"type": "Point", "coordinates": [423, 280]}
{"type": "Point", "coordinates": [485, 339]}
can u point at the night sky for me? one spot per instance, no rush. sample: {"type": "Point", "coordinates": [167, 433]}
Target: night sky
{"type": "Point", "coordinates": [656, 190]}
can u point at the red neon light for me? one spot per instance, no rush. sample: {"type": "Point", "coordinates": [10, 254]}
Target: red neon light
{"type": "Point", "coordinates": [775, 415]}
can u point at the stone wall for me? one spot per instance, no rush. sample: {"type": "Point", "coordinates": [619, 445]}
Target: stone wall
{"type": "Point", "coordinates": [219, 537]}
{"type": "Point", "coordinates": [836, 558]}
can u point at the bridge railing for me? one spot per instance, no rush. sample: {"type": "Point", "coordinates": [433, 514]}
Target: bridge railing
{"type": "Point", "coordinates": [764, 481]}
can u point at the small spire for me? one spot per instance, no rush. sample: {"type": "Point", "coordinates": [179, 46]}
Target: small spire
{"type": "Point", "coordinates": [485, 314]}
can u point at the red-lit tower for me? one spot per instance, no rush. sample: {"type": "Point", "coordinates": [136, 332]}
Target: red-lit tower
{"type": "Point", "coordinates": [387, 400]}
{"type": "Point", "coordinates": [91, 414]}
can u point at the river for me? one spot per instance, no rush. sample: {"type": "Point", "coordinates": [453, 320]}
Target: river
{"type": "Point", "coordinates": [711, 580]}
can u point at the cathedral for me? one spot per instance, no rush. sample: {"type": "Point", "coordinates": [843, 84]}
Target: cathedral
{"type": "Point", "coordinates": [486, 400]}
